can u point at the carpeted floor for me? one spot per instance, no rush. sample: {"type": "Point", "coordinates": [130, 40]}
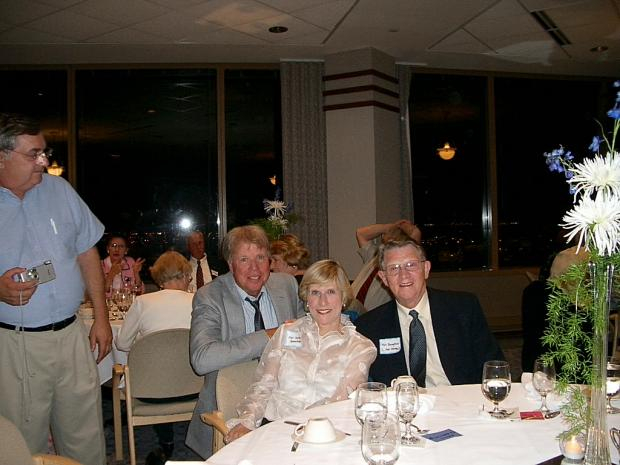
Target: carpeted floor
{"type": "Point", "coordinates": [146, 441]}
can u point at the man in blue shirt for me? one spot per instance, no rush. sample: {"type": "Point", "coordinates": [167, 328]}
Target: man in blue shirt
{"type": "Point", "coordinates": [48, 375]}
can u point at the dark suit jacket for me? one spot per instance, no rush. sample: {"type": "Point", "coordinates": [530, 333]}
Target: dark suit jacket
{"type": "Point", "coordinates": [462, 335]}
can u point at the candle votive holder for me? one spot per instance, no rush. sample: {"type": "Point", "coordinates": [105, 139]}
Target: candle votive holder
{"type": "Point", "coordinates": [573, 449]}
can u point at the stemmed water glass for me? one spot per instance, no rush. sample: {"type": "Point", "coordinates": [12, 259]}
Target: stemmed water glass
{"type": "Point", "coordinates": [496, 385]}
{"type": "Point", "coordinates": [370, 398]}
{"type": "Point", "coordinates": [407, 406]}
{"type": "Point", "coordinates": [613, 383]}
{"type": "Point", "coordinates": [380, 439]}
{"type": "Point", "coordinates": [123, 299]}
{"type": "Point", "coordinates": [543, 380]}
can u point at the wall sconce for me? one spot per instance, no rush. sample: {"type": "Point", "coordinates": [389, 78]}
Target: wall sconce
{"type": "Point", "coordinates": [55, 169]}
{"type": "Point", "coordinates": [446, 152]}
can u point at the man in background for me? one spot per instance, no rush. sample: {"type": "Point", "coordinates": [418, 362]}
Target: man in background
{"type": "Point", "coordinates": [234, 317]}
{"type": "Point", "coordinates": [201, 273]}
{"type": "Point", "coordinates": [48, 375]}
{"type": "Point", "coordinates": [367, 286]}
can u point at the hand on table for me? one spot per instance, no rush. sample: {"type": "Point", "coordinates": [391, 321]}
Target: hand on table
{"type": "Point", "coordinates": [14, 293]}
{"type": "Point", "coordinates": [236, 433]}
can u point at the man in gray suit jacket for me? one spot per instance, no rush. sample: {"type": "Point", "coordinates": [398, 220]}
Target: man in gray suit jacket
{"type": "Point", "coordinates": [234, 316]}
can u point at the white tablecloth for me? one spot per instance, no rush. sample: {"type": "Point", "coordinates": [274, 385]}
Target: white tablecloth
{"type": "Point", "coordinates": [483, 441]}
{"type": "Point", "coordinates": [115, 356]}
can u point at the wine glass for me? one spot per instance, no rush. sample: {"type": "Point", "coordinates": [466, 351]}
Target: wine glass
{"type": "Point", "coordinates": [496, 384]}
{"type": "Point", "coordinates": [613, 383]}
{"type": "Point", "coordinates": [381, 439]}
{"type": "Point", "coordinates": [370, 398]}
{"type": "Point", "coordinates": [123, 299]}
{"type": "Point", "coordinates": [543, 380]}
{"type": "Point", "coordinates": [407, 406]}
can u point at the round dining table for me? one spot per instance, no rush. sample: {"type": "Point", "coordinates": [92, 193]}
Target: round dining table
{"type": "Point", "coordinates": [477, 439]}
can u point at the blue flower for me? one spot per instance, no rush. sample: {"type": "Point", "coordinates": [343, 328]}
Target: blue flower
{"type": "Point", "coordinates": [557, 159]}
{"type": "Point", "coordinates": [614, 112]}
{"type": "Point", "coordinates": [596, 142]}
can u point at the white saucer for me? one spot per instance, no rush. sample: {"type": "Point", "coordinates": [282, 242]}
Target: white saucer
{"type": "Point", "coordinates": [339, 437]}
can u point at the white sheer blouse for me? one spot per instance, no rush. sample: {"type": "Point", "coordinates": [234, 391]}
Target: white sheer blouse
{"type": "Point", "coordinates": [300, 369]}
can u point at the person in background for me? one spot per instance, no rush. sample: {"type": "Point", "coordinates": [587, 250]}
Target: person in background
{"type": "Point", "coordinates": [289, 255]}
{"type": "Point", "coordinates": [48, 374]}
{"type": "Point", "coordinates": [368, 288]}
{"type": "Point", "coordinates": [169, 308]}
{"type": "Point", "coordinates": [201, 273]}
{"type": "Point", "coordinates": [438, 337]}
{"type": "Point", "coordinates": [234, 317]}
{"type": "Point", "coordinates": [119, 269]}
{"type": "Point", "coordinates": [327, 363]}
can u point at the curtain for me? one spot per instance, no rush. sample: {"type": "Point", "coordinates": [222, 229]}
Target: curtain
{"type": "Point", "coordinates": [304, 155]}
{"type": "Point", "coordinates": [404, 81]}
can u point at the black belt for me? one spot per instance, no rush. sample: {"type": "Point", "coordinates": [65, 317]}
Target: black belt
{"type": "Point", "coordinates": [51, 327]}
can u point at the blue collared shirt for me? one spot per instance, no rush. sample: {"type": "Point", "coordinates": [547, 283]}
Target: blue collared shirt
{"type": "Point", "coordinates": [266, 309]}
{"type": "Point", "coordinates": [51, 223]}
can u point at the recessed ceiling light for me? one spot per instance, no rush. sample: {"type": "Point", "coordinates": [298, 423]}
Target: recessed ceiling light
{"type": "Point", "coordinates": [599, 48]}
{"type": "Point", "coordinates": [394, 29]}
{"type": "Point", "coordinates": [278, 29]}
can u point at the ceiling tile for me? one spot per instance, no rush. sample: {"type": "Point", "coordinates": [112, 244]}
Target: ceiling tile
{"type": "Point", "coordinates": [538, 45]}
{"type": "Point", "coordinates": [120, 12]}
{"type": "Point", "coordinates": [484, 28]}
{"type": "Point", "coordinates": [295, 27]}
{"type": "Point", "coordinates": [593, 12]}
{"type": "Point", "coordinates": [23, 11]}
{"type": "Point", "coordinates": [177, 26]}
{"type": "Point", "coordinates": [232, 13]}
{"type": "Point", "coordinates": [294, 5]}
{"type": "Point", "coordinates": [326, 15]}
{"type": "Point", "coordinates": [460, 42]}
{"type": "Point", "coordinates": [60, 3]}
{"type": "Point", "coordinates": [537, 5]}
{"type": "Point", "coordinates": [228, 36]}
{"type": "Point", "coordinates": [20, 35]}
{"type": "Point", "coordinates": [177, 4]}
{"type": "Point", "coordinates": [73, 26]}
{"type": "Point", "coordinates": [315, 38]}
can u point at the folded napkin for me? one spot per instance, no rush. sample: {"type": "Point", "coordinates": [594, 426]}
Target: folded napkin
{"type": "Point", "coordinates": [427, 401]}
{"type": "Point", "coordinates": [554, 400]}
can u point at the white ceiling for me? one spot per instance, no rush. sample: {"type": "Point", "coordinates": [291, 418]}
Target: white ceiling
{"type": "Point", "coordinates": [498, 35]}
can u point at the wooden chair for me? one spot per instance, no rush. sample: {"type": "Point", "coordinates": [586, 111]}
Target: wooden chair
{"type": "Point", "coordinates": [14, 450]}
{"type": "Point", "coordinates": [230, 386]}
{"type": "Point", "coordinates": [158, 367]}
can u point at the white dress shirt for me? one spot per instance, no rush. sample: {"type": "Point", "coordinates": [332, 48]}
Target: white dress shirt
{"type": "Point", "coordinates": [266, 309]}
{"type": "Point", "coordinates": [435, 374]}
{"type": "Point", "coordinates": [206, 271]}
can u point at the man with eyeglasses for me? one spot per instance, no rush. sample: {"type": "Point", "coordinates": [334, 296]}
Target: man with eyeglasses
{"type": "Point", "coordinates": [234, 317]}
{"type": "Point", "coordinates": [48, 375]}
{"type": "Point", "coordinates": [438, 337]}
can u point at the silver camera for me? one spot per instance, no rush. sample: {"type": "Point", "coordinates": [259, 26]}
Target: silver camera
{"type": "Point", "coordinates": [43, 273]}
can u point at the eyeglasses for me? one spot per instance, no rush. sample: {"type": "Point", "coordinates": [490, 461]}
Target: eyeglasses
{"type": "Point", "coordinates": [410, 267]}
{"type": "Point", "coordinates": [114, 245]}
{"type": "Point", "coordinates": [36, 154]}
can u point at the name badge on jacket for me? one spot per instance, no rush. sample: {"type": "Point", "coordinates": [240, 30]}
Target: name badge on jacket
{"type": "Point", "coordinates": [389, 346]}
{"type": "Point", "coordinates": [292, 340]}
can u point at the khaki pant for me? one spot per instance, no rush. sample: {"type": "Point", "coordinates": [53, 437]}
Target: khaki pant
{"type": "Point", "coordinates": [49, 380]}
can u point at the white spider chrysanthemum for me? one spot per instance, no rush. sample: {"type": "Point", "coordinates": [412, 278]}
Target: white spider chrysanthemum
{"type": "Point", "coordinates": [596, 222]}
{"type": "Point", "coordinates": [276, 206]}
{"type": "Point", "coordinates": [598, 174]}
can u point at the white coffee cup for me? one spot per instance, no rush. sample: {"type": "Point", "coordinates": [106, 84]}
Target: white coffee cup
{"type": "Point", "coordinates": [317, 430]}
{"type": "Point", "coordinates": [402, 379]}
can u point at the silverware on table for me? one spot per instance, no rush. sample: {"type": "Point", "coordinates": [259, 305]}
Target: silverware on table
{"type": "Point", "coordinates": [296, 423]}
{"type": "Point", "coordinates": [295, 446]}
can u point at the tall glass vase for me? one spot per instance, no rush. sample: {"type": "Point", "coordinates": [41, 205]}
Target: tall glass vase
{"type": "Point", "coordinates": [597, 446]}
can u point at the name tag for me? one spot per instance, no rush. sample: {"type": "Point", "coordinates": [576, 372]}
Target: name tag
{"type": "Point", "coordinates": [292, 339]}
{"type": "Point", "coordinates": [389, 346]}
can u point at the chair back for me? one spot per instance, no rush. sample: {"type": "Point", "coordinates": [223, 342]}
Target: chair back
{"type": "Point", "coordinates": [231, 384]}
{"type": "Point", "coordinates": [13, 448]}
{"type": "Point", "coordinates": [160, 366]}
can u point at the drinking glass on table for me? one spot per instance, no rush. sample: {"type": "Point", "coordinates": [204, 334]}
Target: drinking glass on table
{"type": "Point", "coordinates": [370, 398]}
{"type": "Point", "coordinates": [123, 299]}
{"type": "Point", "coordinates": [613, 382]}
{"type": "Point", "coordinates": [496, 385]}
{"type": "Point", "coordinates": [381, 439]}
{"type": "Point", "coordinates": [543, 380]}
{"type": "Point", "coordinates": [407, 406]}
